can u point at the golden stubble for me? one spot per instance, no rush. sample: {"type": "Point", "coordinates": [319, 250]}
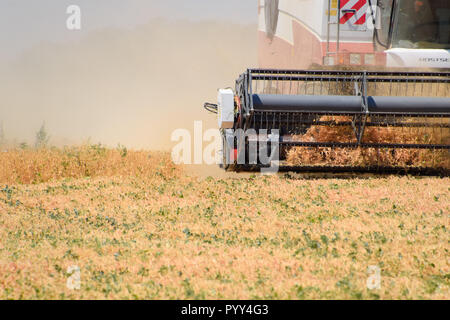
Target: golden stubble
{"type": "Point", "coordinates": [374, 156]}
{"type": "Point", "coordinates": [160, 233]}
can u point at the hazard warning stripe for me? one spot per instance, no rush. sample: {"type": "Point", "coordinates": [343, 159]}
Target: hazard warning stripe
{"type": "Point", "coordinates": [358, 5]}
{"type": "Point", "coordinates": [361, 20]}
{"type": "Point", "coordinates": [346, 17]}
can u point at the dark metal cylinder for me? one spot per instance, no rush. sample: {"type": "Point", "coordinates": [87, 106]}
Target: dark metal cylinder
{"type": "Point", "coordinates": [409, 104]}
{"type": "Point", "coordinates": [349, 104]}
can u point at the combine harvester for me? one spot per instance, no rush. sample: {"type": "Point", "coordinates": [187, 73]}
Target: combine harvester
{"type": "Point", "coordinates": [326, 118]}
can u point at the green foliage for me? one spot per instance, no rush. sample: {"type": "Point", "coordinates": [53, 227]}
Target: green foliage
{"type": "Point", "coordinates": [123, 150]}
{"type": "Point", "coordinates": [42, 138]}
{"type": "Point", "coordinates": [23, 146]}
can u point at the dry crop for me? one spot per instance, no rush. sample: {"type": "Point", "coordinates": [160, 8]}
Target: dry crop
{"type": "Point", "coordinates": [138, 227]}
{"type": "Point", "coordinates": [372, 156]}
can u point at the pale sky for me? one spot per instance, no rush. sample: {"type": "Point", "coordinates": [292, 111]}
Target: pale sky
{"type": "Point", "coordinates": [25, 23]}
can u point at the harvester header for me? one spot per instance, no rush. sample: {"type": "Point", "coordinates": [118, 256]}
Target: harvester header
{"type": "Point", "coordinates": [339, 121]}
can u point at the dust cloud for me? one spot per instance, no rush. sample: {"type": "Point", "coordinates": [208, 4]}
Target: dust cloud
{"type": "Point", "coordinates": [127, 86]}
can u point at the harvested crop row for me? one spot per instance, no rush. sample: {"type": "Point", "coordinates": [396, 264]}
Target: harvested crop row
{"type": "Point", "coordinates": [372, 156]}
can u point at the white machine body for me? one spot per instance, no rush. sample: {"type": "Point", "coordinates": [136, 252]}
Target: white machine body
{"type": "Point", "coordinates": [225, 110]}
{"type": "Point", "coordinates": [418, 58]}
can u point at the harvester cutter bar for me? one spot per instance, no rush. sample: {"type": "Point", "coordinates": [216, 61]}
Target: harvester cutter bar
{"type": "Point", "coordinates": [413, 171]}
{"type": "Point", "coordinates": [364, 145]}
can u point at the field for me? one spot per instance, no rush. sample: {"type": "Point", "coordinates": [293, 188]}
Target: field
{"type": "Point", "coordinates": [139, 227]}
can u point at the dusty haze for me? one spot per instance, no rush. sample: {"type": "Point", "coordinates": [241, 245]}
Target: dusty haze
{"type": "Point", "coordinates": [132, 87]}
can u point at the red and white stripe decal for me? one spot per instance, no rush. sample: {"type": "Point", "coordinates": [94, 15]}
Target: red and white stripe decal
{"type": "Point", "coordinates": [359, 5]}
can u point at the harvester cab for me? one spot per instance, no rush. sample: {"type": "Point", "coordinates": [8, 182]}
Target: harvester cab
{"type": "Point", "coordinates": [297, 34]}
{"type": "Point", "coordinates": [414, 33]}
{"type": "Point", "coordinates": [341, 120]}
